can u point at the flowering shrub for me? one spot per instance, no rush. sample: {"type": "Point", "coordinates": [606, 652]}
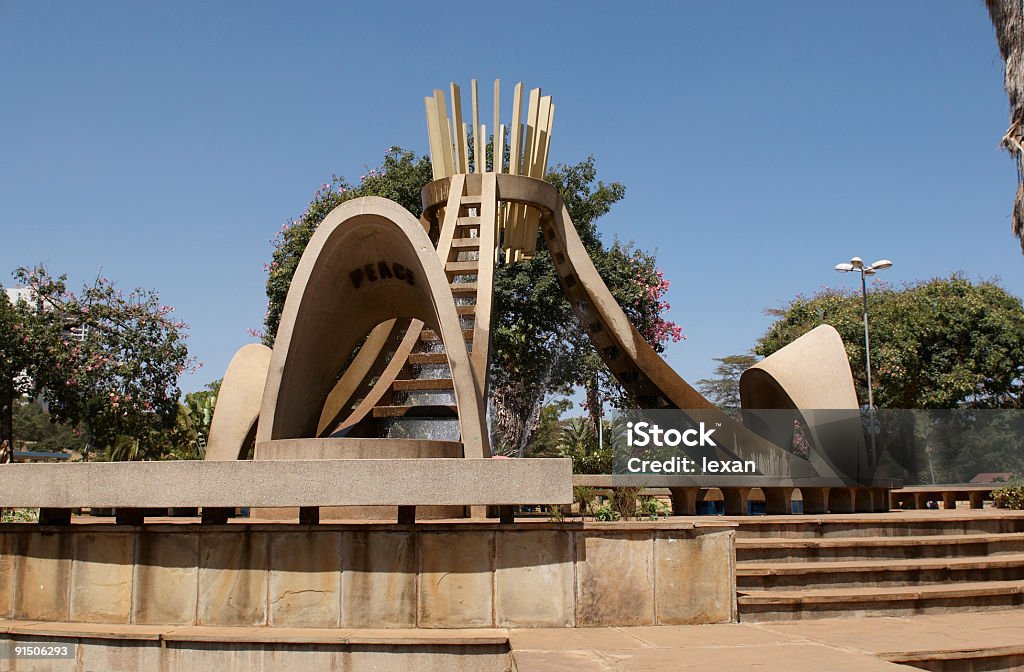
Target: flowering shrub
{"type": "Point", "coordinates": [103, 358]}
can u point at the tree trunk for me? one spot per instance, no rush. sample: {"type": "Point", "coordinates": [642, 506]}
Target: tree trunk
{"type": "Point", "coordinates": [7, 398]}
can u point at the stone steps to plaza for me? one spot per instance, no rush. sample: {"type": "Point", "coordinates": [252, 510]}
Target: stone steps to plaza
{"type": "Point", "coordinates": [895, 564]}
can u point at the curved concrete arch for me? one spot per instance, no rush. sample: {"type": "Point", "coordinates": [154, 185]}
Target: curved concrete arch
{"type": "Point", "coordinates": [238, 403]}
{"type": "Point", "coordinates": [812, 376]}
{"type": "Point", "coordinates": [368, 262]}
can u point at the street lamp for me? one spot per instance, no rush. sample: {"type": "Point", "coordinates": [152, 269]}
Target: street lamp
{"type": "Point", "coordinates": [857, 264]}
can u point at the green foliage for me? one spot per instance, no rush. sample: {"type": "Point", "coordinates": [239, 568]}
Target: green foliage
{"type": "Point", "coordinates": [607, 514]}
{"type": "Point", "coordinates": [585, 498]}
{"type": "Point", "coordinates": [102, 359]}
{"type": "Point", "coordinates": [624, 501]}
{"type": "Point", "coordinates": [34, 429]}
{"type": "Point", "coordinates": [192, 425]}
{"type": "Point", "coordinates": [579, 443]}
{"type": "Point", "coordinates": [943, 343]}
{"type": "Point", "coordinates": [400, 178]}
{"type": "Point", "coordinates": [653, 508]}
{"type": "Point", "coordinates": [19, 515]}
{"type": "Point", "coordinates": [724, 389]}
{"type": "Point", "coordinates": [1011, 495]}
{"type": "Point", "coordinates": [544, 441]}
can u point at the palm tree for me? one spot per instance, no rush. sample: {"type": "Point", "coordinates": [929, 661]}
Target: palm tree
{"type": "Point", "coordinates": [1008, 19]}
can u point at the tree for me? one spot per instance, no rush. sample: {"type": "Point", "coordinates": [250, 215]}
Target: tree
{"type": "Point", "coordinates": [944, 343]}
{"type": "Point", "coordinates": [399, 178]}
{"type": "Point", "coordinates": [724, 389]}
{"type": "Point", "coordinates": [539, 347]}
{"type": "Point", "coordinates": [15, 359]}
{"type": "Point", "coordinates": [104, 359]}
{"type": "Point", "coordinates": [1007, 18]}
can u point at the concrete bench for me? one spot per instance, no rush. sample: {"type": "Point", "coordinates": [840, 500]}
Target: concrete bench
{"type": "Point", "coordinates": [218, 487]}
{"type": "Point", "coordinates": [819, 495]}
{"type": "Point", "coordinates": [918, 496]}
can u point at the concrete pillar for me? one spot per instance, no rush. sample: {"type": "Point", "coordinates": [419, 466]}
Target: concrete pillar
{"type": "Point", "coordinates": [920, 500]}
{"type": "Point", "coordinates": [815, 499]}
{"type": "Point", "coordinates": [778, 501]}
{"type": "Point", "coordinates": [684, 501]}
{"type": "Point", "coordinates": [881, 499]}
{"type": "Point", "coordinates": [841, 500]}
{"type": "Point", "coordinates": [977, 499]}
{"type": "Point", "coordinates": [736, 501]}
{"type": "Point", "coordinates": [862, 501]}
{"type": "Point", "coordinates": [949, 500]}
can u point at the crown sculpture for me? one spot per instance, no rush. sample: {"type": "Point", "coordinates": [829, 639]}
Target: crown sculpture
{"type": "Point", "coordinates": [383, 343]}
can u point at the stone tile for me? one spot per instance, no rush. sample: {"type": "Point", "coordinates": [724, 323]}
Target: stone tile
{"type": "Point", "coordinates": [558, 639]}
{"type": "Point", "coordinates": [615, 579]}
{"type": "Point", "coordinates": [455, 589]}
{"type": "Point", "coordinates": [378, 579]}
{"type": "Point", "coordinates": [232, 578]}
{"type": "Point", "coordinates": [305, 579]}
{"type": "Point", "coordinates": [559, 661]}
{"type": "Point", "coordinates": [7, 551]}
{"type": "Point", "coordinates": [799, 657]}
{"type": "Point", "coordinates": [38, 664]}
{"type": "Point", "coordinates": [684, 637]}
{"type": "Point", "coordinates": [534, 579]}
{"type": "Point", "coordinates": [42, 576]}
{"type": "Point", "coordinates": [101, 578]}
{"type": "Point", "coordinates": [292, 657]}
{"type": "Point", "coordinates": [696, 578]}
{"type": "Point", "coordinates": [166, 578]}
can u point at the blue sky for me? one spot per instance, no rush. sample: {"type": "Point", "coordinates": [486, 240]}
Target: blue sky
{"type": "Point", "coordinates": [760, 143]}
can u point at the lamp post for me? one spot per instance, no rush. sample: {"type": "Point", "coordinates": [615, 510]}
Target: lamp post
{"type": "Point", "coordinates": [857, 264]}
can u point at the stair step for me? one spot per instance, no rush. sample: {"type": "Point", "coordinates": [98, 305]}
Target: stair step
{"type": "Point", "coordinates": [431, 335]}
{"type": "Point", "coordinates": [407, 385]}
{"type": "Point", "coordinates": [463, 288]}
{"type": "Point", "coordinates": [787, 550]}
{"type": "Point", "coordinates": [474, 199]}
{"type": "Point", "coordinates": [426, 358]}
{"type": "Point", "coordinates": [878, 573]}
{"type": "Point", "coordinates": [462, 267]}
{"type": "Point", "coordinates": [434, 411]}
{"type": "Point", "coordinates": [468, 223]}
{"type": "Point", "coordinates": [466, 243]}
{"type": "Point", "coordinates": [778, 605]}
{"type": "Point", "coordinates": [466, 310]}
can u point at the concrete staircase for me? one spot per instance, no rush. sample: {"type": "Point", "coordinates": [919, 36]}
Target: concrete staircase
{"type": "Point", "coordinates": [883, 565]}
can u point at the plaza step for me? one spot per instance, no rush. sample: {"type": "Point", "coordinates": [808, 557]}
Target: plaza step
{"type": "Point", "coordinates": [887, 572]}
{"type": "Point", "coordinates": [786, 550]}
{"type": "Point", "coordinates": [891, 564]}
{"type": "Point", "coordinates": [784, 605]}
{"type": "Point", "coordinates": [464, 288]}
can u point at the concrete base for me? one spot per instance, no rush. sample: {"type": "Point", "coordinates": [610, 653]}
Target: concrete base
{"type": "Point", "coordinates": [445, 575]}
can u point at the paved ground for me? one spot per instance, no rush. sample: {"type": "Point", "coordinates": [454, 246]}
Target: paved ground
{"type": "Point", "coordinates": [838, 645]}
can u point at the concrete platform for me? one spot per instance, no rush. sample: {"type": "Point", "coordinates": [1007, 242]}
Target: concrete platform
{"type": "Point", "coordinates": [993, 641]}
{"type": "Point", "coordinates": [950, 641]}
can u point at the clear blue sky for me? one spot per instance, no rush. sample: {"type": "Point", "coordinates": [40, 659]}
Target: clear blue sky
{"type": "Point", "coordinates": [760, 143]}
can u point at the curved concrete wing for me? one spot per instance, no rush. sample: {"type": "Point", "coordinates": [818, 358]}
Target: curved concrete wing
{"type": "Point", "coordinates": [811, 375]}
{"type": "Point", "coordinates": [238, 403]}
{"type": "Point", "coordinates": [368, 262]}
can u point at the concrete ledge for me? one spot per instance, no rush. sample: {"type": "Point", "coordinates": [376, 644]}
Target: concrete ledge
{"type": "Point", "coordinates": [274, 483]}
